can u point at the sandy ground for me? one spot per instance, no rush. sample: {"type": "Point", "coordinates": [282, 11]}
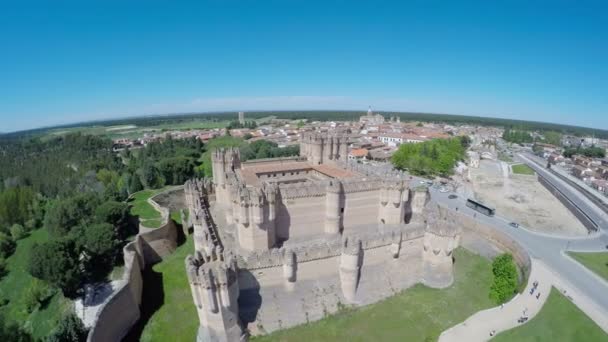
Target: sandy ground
{"type": "Point", "coordinates": [523, 199]}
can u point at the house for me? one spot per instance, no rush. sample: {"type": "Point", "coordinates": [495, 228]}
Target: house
{"type": "Point", "coordinates": [358, 154]}
{"type": "Point", "coordinates": [600, 185]}
{"type": "Point", "coordinates": [602, 172]}
{"type": "Point", "coordinates": [555, 158]}
{"type": "Point", "coordinates": [396, 139]}
{"type": "Point", "coordinates": [582, 160]}
{"type": "Point", "coordinates": [581, 172]}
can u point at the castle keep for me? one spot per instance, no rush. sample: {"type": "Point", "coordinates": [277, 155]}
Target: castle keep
{"type": "Point", "coordinates": [280, 242]}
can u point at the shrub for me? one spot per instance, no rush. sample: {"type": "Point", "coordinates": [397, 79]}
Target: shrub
{"type": "Point", "coordinates": [7, 245]}
{"type": "Point", "coordinates": [57, 262]}
{"type": "Point", "coordinates": [17, 232]}
{"type": "Point", "coordinates": [3, 270]}
{"type": "Point", "coordinates": [70, 329]}
{"type": "Point", "coordinates": [504, 284]}
{"type": "Point", "coordinates": [36, 294]}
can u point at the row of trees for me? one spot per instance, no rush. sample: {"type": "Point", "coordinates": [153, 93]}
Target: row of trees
{"type": "Point", "coordinates": [431, 158]}
{"type": "Point", "coordinates": [593, 152]}
{"type": "Point", "coordinates": [517, 136]}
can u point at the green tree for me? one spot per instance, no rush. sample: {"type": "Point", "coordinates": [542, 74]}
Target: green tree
{"type": "Point", "coordinates": [7, 246]}
{"type": "Point", "coordinates": [504, 285]}
{"type": "Point", "coordinates": [151, 176]}
{"type": "Point", "coordinates": [57, 262]}
{"type": "Point", "coordinates": [12, 332]}
{"type": "Point", "coordinates": [429, 158]}
{"type": "Point", "coordinates": [17, 232]}
{"type": "Point", "coordinates": [15, 205]}
{"type": "Point", "coordinates": [135, 184]}
{"type": "Point", "coordinates": [112, 212]}
{"type": "Point", "coordinates": [553, 138]}
{"type": "Point", "coordinates": [69, 329]}
{"type": "Point", "coordinates": [176, 170]}
{"type": "Point", "coordinates": [99, 243]}
{"type": "Point", "coordinates": [64, 215]}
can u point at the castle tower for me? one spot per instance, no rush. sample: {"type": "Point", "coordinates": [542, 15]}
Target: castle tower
{"type": "Point", "coordinates": [316, 156]}
{"type": "Point", "coordinates": [343, 149]}
{"type": "Point", "coordinates": [289, 265]}
{"type": "Point", "coordinates": [328, 147]}
{"type": "Point", "coordinates": [254, 218]}
{"type": "Point", "coordinates": [393, 196]}
{"type": "Point", "coordinates": [222, 162]}
{"type": "Point", "coordinates": [213, 279]}
{"type": "Point", "coordinates": [333, 210]}
{"type": "Point", "coordinates": [350, 268]}
{"type": "Point", "coordinates": [441, 237]}
{"type": "Point", "coordinates": [419, 197]}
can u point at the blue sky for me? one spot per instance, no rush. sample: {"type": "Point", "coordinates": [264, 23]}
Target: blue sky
{"type": "Point", "coordinates": [63, 62]}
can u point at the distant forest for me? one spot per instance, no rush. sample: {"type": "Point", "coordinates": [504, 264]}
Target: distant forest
{"type": "Point", "coordinates": [157, 120]}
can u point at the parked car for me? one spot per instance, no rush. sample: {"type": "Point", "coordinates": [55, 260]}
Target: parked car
{"type": "Point", "coordinates": [514, 224]}
{"type": "Point", "coordinates": [452, 196]}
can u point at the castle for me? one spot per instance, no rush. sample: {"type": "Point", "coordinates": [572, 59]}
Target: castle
{"type": "Point", "coordinates": [284, 241]}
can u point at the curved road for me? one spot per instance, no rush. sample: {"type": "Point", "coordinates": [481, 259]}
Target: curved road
{"type": "Point", "coordinates": [549, 249]}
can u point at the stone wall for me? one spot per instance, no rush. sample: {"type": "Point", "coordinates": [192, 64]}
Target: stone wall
{"type": "Point", "coordinates": [327, 248]}
{"type": "Point", "coordinates": [122, 309]}
{"type": "Point", "coordinates": [502, 241]}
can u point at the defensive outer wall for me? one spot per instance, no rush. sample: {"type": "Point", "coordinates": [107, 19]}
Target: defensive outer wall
{"type": "Point", "coordinates": [122, 309]}
{"type": "Point", "coordinates": [282, 285]}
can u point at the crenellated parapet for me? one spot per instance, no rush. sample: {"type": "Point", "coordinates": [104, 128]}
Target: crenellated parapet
{"type": "Point", "coordinates": [321, 148]}
{"type": "Point", "coordinates": [333, 204]}
{"type": "Point", "coordinates": [224, 163]}
{"type": "Point", "coordinates": [213, 279]}
{"type": "Point", "coordinates": [204, 229]}
{"type": "Point", "coordinates": [394, 195]}
{"type": "Point", "coordinates": [254, 213]}
{"type": "Point", "coordinates": [351, 260]}
{"type": "Point", "coordinates": [419, 197]}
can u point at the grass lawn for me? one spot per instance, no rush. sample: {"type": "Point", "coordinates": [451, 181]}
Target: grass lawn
{"type": "Point", "coordinates": [149, 216]}
{"type": "Point", "coordinates": [14, 285]}
{"type": "Point", "coordinates": [522, 169]}
{"type": "Point", "coordinates": [558, 320]}
{"type": "Point", "coordinates": [176, 319]}
{"type": "Point", "coordinates": [597, 262]}
{"type": "Point", "coordinates": [417, 314]}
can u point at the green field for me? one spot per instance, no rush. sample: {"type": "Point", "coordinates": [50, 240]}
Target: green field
{"type": "Point", "coordinates": [140, 207]}
{"type": "Point", "coordinates": [176, 318]}
{"type": "Point", "coordinates": [16, 283]}
{"type": "Point", "coordinates": [597, 262]}
{"type": "Point", "coordinates": [522, 169]}
{"type": "Point", "coordinates": [133, 131]}
{"type": "Point", "coordinates": [558, 320]}
{"type": "Point", "coordinates": [417, 314]}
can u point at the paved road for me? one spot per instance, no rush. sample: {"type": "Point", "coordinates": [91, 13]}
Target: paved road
{"type": "Point", "coordinates": [548, 249]}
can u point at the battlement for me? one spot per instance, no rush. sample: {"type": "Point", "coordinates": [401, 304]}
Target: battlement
{"type": "Point", "coordinates": [320, 148]}
{"type": "Point", "coordinates": [211, 270]}
{"type": "Point", "coordinates": [213, 279]}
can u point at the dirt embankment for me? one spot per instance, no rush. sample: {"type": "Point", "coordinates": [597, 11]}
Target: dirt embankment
{"type": "Point", "coordinates": [523, 199]}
